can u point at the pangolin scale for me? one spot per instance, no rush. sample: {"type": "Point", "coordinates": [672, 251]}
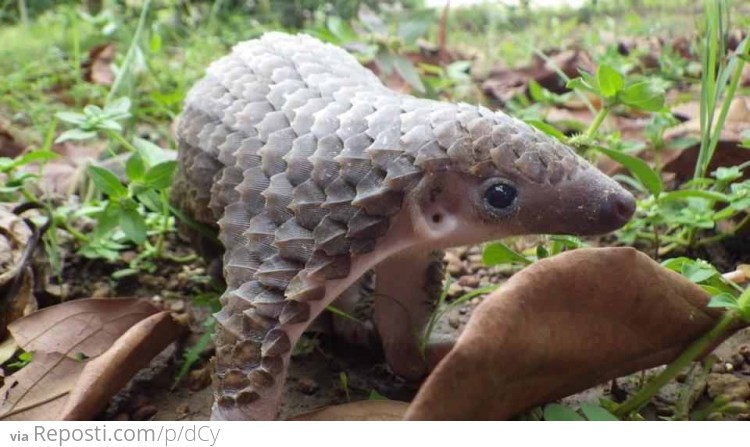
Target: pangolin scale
{"type": "Point", "coordinates": [304, 158]}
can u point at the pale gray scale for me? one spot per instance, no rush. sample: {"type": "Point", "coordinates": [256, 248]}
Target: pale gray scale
{"type": "Point", "coordinates": [386, 147]}
{"type": "Point", "coordinates": [254, 182]}
{"type": "Point", "coordinates": [287, 73]}
{"type": "Point", "coordinates": [326, 120]}
{"type": "Point", "coordinates": [447, 133]}
{"type": "Point", "coordinates": [306, 204]}
{"type": "Point", "coordinates": [216, 138]}
{"type": "Point", "coordinates": [415, 138]}
{"type": "Point", "coordinates": [270, 123]}
{"type": "Point", "coordinates": [278, 196]}
{"type": "Point", "coordinates": [376, 198]}
{"type": "Point", "coordinates": [244, 296]}
{"type": "Point", "coordinates": [480, 127]}
{"type": "Point", "coordinates": [365, 226]}
{"type": "Point", "coordinates": [322, 267]}
{"type": "Point", "coordinates": [432, 157]}
{"type": "Point", "coordinates": [276, 272]}
{"type": "Point", "coordinates": [462, 152]}
{"type": "Point", "coordinates": [230, 146]}
{"type": "Point", "coordinates": [278, 92]}
{"type": "Point", "coordinates": [260, 234]}
{"type": "Point", "coordinates": [238, 85]}
{"type": "Point", "coordinates": [325, 167]}
{"type": "Point", "coordinates": [304, 116]}
{"type": "Point", "coordinates": [444, 113]}
{"type": "Point", "coordinates": [252, 114]}
{"type": "Point", "coordinates": [223, 190]}
{"type": "Point", "coordinates": [294, 241]}
{"type": "Point", "coordinates": [339, 193]}
{"type": "Point", "coordinates": [229, 118]}
{"type": "Point", "coordinates": [466, 114]}
{"type": "Point", "coordinates": [272, 153]}
{"type": "Point", "coordinates": [240, 265]}
{"type": "Point", "coordinates": [298, 165]}
{"type": "Point", "coordinates": [353, 121]}
{"type": "Point", "coordinates": [247, 155]}
{"type": "Point", "coordinates": [297, 99]}
{"type": "Point", "coordinates": [233, 224]}
{"type": "Point", "coordinates": [353, 160]}
{"type": "Point", "coordinates": [330, 237]}
{"type": "Point", "coordinates": [402, 174]}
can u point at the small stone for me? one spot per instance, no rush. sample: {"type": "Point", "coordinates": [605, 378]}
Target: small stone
{"type": "Point", "coordinates": [475, 259]}
{"type": "Point", "coordinates": [454, 266]}
{"type": "Point", "coordinates": [101, 290]}
{"type": "Point", "coordinates": [731, 387]}
{"type": "Point", "coordinates": [128, 256]}
{"type": "Point", "coordinates": [199, 378]}
{"type": "Point", "coordinates": [737, 361]}
{"type": "Point", "coordinates": [177, 306]}
{"type": "Point", "coordinates": [455, 289]}
{"type": "Point", "coordinates": [454, 321]}
{"type": "Point", "coordinates": [307, 386]}
{"type": "Point", "coordinates": [468, 281]}
{"type": "Point", "coordinates": [145, 413]}
{"type": "Point", "coordinates": [718, 368]}
{"type": "Point", "coordinates": [745, 352]}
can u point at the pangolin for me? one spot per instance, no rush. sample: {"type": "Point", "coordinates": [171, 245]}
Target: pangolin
{"type": "Point", "coordinates": [317, 174]}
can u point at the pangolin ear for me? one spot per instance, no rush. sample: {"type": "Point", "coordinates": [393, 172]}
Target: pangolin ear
{"type": "Point", "coordinates": [433, 221]}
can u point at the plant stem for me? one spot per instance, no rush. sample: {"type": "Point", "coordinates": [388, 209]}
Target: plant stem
{"type": "Point", "coordinates": [598, 120]}
{"type": "Point", "coordinates": [640, 399]}
{"type": "Point", "coordinates": [130, 55]}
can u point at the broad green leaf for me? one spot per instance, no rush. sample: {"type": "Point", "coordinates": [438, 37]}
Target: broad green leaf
{"type": "Point", "coordinates": [698, 272]}
{"type": "Point", "coordinates": [498, 253]}
{"type": "Point", "coordinates": [610, 81]}
{"type": "Point", "coordinates": [134, 167]}
{"type": "Point", "coordinates": [643, 96]}
{"type": "Point", "coordinates": [581, 84]}
{"type": "Point", "coordinates": [133, 225]}
{"type": "Point", "coordinates": [414, 27]}
{"type": "Point", "coordinates": [408, 73]}
{"type": "Point", "coordinates": [151, 200]}
{"type": "Point", "coordinates": [548, 129]}
{"type": "Point", "coordinates": [597, 413]}
{"type": "Point", "coordinates": [723, 300]}
{"type": "Point", "coordinates": [341, 29]}
{"type": "Point", "coordinates": [107, 182]}
{"type": "Point", "coordinates": [108, 219]}
{"type": "Point", "coordinates": [557, 412]}
{"type": "Point", "coordinates": [151, 153]}
{"type": "Point", "coordinates": [71, 117]}
{"type": "Point", "coordinates": [32, 156]}
{"type": "Point", "coordinates": [639, 168]}
{"type": "Point", "coordinates": [160, 176]}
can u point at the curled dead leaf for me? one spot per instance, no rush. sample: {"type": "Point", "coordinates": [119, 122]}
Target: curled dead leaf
{"type": "Point", "coordinates": [560, 326]}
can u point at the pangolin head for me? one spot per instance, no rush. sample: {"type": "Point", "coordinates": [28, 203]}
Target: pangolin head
{"type": "Point", "coordinates": [504, 178]}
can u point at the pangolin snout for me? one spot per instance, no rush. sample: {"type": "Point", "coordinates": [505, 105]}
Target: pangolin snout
{"type": "Point", "coordinates": [617, 209]}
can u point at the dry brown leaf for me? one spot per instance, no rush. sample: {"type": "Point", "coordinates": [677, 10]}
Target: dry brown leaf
{"type": "Point", "coordinates": [98, 69]}
{"type": "Point", "coordinates": [105, 375]}
{"type": "Point", "coordinates": [84, 352]}
{"type": "Point", "coordinates": [365, 410]}
{"type": "Point", "coordinates": [86, 326]}
{"type": "Point", "coordinates": [560, 326]}
{"type": "Point", "coordinates": [38, 391]}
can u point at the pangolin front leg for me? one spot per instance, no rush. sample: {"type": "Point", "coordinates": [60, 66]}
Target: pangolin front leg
{"type": "Point", "coordinates": [317, 173]}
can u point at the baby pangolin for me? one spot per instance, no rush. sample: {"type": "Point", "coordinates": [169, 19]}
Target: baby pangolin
{"type": "Point", "coordinates": [317, 174]}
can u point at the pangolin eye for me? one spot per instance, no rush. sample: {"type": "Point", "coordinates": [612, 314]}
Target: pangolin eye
{"type": "Point", "coordinates": [500, 195]}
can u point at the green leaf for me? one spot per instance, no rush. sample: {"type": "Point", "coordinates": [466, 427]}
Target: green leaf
{"type": "Point", "coordinates": [134, 168]}
{"type": "Point", "coordinates": [694, 193]}
{"type": "Point", "coordinates": [498, 253]}
{"type": "Point", "coordinates": [639, 168]}
{"type": "Point", "coordinates": [597, 413]}
{"type": "Point", "coordinates": [698, 271]}
{"type": "Point", "coordinates": [581, 84]}
{"type": "Point", "coordinates": [107, 220]}
{"type": "Point", "coordinates": [723, 300]}
{"type": "Point", "coordinates": [541, 252]}
{"type": "Point", "coordinates": [107, 182]}
{"type": "Point", "coordinates": [374, 395]}
{"type": "Point", "coordinates": [610, 81]}
{"type": "Point", "coordinates": [75, 134]}
{"type": "Point", "coordinates": [133, 225]}
{"type": "Point", "coordinates": [341, 29]}
{"type": "Point", "coordinates": [151, 200]}
{"type": "Point", "coordinates": [151, 153]}
{"type": "Point", "coordinates": [643, 96]}
{"type": "Point", "coordinates": [557, 412]}
{"type": "Point", "coordinates": [408, 73]}
{"type": "Point", "coordinates": [160, 176]}
{"type": "Point", "coordinates": [413, 28]}
{"type": "Point", "coordinates": [548, 129]}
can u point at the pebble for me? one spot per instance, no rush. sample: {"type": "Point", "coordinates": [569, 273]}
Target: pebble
{"type": "Point", "coordinates": [454, 266]}
{"type": "Point", "coordinates": [733, 388]}
{"type": "Point", "coordinates": [469, 281]}
{"type": "Point", "coordinates": [455, 289]}
{"type": "Point", "coordinates": [177, 306]}
{"type": "Point", "coordinates": [307, 386]}
{"type": "Point", "coordinates": [182, 409]}
{"type": "Point", "coordinates": [454, 321]}
{"type": "Point", "coordinates": [745, 352]}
